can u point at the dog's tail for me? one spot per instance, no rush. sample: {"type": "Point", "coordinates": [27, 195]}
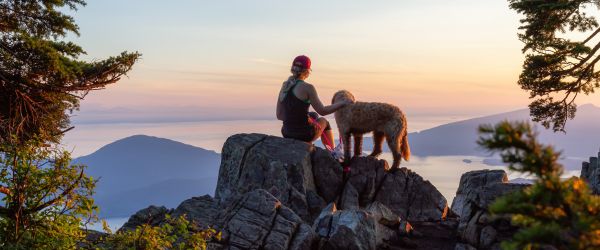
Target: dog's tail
{"type": "Point", "coordinates": [405, 148]}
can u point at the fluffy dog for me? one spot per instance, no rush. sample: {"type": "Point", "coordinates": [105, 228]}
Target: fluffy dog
{"type": "Point", "coordinates": [384, 120]}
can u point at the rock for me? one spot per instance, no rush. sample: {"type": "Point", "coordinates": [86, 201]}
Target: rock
{"type": "Point", "coordinates": [198, 210]}
{"type": "Point", "coordinates": [477, 190]}
{"type": "Point", "coordinates": [257, 220]}
{"type": "Point", "coordinates": [151, 215]}
{"type": "Point", "coordinates": [471, 232]}
{"type": "Point", "coordinates": [349, 198]}
{"type": "Point", "coordinates": [305, 178]}
{"type": "Point", "coordinates": [301, 180]}
{"type": "Point", "coordinates": [411, 197]}
{"type": "Point", "coordinates": [366, 175]}
{"type": "Point", "coordinates": [253, 161]}
{"type": "Point", "coordinates": [328, 175]}
{"type": "Point", "coordinates": [473, 180]}
{"type": "Point", "coordinates": [233, 155]}
{"type": "Point", "coordinates": [488, 236]}
{"type": "Point", "coordinates": [387, 223]}
{"type": "Point", "coordinates": [590, 172]}
{"type": "Point", "coordinates": [345, 229]}
{"type": "Point", "coordinates": [383, 215]}
{"type": "Point", "coordinates": [462, 246]}
{"type": "Point", "coordinates": [93, 240]}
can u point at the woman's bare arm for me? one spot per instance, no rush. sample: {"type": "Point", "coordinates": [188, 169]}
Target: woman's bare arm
{"type": "Point", "coordinates": [318, 105]}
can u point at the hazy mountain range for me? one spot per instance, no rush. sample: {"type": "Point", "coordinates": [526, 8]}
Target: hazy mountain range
{"type": "Point", "coordinates": [140, 170]}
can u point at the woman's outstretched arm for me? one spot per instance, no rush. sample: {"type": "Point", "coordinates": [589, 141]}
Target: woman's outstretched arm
{"type": "Point", "coordinates": [318, 105]}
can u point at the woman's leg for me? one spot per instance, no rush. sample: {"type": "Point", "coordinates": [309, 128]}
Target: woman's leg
{"type": "Point", "coordinates": [325, 133]}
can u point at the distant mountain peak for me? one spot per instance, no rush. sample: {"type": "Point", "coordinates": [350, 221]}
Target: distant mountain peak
{"type": "Point", "coordinates": [588, 106]}
{"type": "Point", "coordinates": [141, 143]}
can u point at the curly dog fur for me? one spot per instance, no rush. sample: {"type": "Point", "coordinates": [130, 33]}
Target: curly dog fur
{"type": "Point", "coordinates": [384, 120]}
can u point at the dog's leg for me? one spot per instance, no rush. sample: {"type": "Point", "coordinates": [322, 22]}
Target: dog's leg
{"type": "Point", "coordinates": [377, 143]}
{"type": "Point", "coordinates": [346, 142]}
{"type": "Point", "coordinates": [394, 145]}
{"type": "Point", "coordinates": [357, 144]}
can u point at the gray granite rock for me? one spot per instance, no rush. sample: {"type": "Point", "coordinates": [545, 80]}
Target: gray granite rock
{"type": "Point", "coordinates": [253, 161]}
{"type": "Point", "coordinates": [198, 210]}
{"type": "Point", "coordinates": [477, 191]}
{"type": "Point", "coordinates": [328, 175]}
{"type": "Point", "coordinates": [152, 215]}
{"type": "Point", "coordinates": [590, 172]}
{"type": "Point", "coordinates": [411, 197]}
{"type": "Point", "coordinates": [257, 220]}
{"type": "Point", "coordinates": [345, 229]}
{"type": "Point", "coordinates": [349, 199]}
{"type": "Point", "coordinates": [473, 180]}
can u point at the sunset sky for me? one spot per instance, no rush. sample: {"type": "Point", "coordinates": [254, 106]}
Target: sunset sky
{"type": "Point", "coordinates": [227, 59]}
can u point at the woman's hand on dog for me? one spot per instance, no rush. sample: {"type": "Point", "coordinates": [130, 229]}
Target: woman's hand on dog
{"type": "Point", "coordinates": [347, 102]}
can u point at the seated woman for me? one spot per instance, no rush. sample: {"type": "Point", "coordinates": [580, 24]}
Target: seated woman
{"type": "Point", "coordinates": [295, 97]}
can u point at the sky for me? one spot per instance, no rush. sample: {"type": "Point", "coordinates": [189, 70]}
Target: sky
{"type": "Point", "coordinates": [226, 60]}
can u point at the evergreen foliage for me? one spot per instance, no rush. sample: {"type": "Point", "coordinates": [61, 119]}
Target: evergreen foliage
{"type": "Point", "coordinates": [557, 68]}
{"type": "Point", "coordinates": [40, 74]}
{"type": "Point", "coordinates": [45, 199]}
{"type": "Point", "coordinates": [176, 233]}
{"type": "Point", "coordinates": [552, 213]}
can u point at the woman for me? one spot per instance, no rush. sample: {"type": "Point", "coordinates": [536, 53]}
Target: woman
{"type": "Point", "coordinates": [295, 97]}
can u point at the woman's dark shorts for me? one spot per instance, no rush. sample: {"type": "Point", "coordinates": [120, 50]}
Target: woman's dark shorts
{"type": "Point", "coordinates": [306, 134]}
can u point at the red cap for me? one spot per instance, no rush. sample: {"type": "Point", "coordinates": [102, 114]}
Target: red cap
{"type": "Point", "coordinates": [302, 61]}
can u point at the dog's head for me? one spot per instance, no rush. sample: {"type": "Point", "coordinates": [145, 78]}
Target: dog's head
{"type": "Point", "coordinates": [342, 95]}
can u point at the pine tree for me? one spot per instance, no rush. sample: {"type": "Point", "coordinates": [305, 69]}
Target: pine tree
{"type": "Point", "coordinates": [552, 213]}
{"type": "Point", "coordinates": [558, 68]}
{"type": "Point", "coordinates": [45, 198]}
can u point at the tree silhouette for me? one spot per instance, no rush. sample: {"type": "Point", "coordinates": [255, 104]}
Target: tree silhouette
{"type": "Point", "coordinates": [557, 67]}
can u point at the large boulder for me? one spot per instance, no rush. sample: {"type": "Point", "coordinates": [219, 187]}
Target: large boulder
{"type": "Point", "coordinates": [471, 182]}
{"type": "Point", "coordinates": [477, 191]}
{"type": "Point", "coordinates": [257, 220]}
{"type": "Point", "coordinates": [407, 194]}
{"type": "Point", "coordinates": [198, 210]}
{"type": "Point", "coordinates": [590, 172]}
{"type": "Point", "coordinates": [345, 229]}
{"type": "Point", "coordinates": [403, 191]}
{"type": "Point", "coordinates": [306, 178]}
{"type": "Point", "coordinates": [152, 215]}
{"type": "Point", "coordinates": [254, 161]}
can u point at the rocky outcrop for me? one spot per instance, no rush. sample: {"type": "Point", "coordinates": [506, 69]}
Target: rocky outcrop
{"type": "Point", "coordinates": [471, 182]}
{"type": "Point", "coordinates": [271, 190]}
{"type": "Point", "coordinates": [257, 220]}
{"type": "Point", "coordinates": [345, 229]}
{"type": "Point", "coordinates": [403, 191]}
{"type": "Point", "coordinates": [590, 172]}
{"type": "Point", "coordinates": [254, 161]}
{"type": "Point", "coordinates": [151, 215]}
{"type": "Point", "coordinates": [477, 228]}
{"type": "Point", "coordinates": [306, 178]}
{"type": "Point", "coordinates": [201, 211]}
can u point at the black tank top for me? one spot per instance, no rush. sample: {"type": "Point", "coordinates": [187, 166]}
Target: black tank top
{"type": "Point", "coordinates": [295, 112]}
